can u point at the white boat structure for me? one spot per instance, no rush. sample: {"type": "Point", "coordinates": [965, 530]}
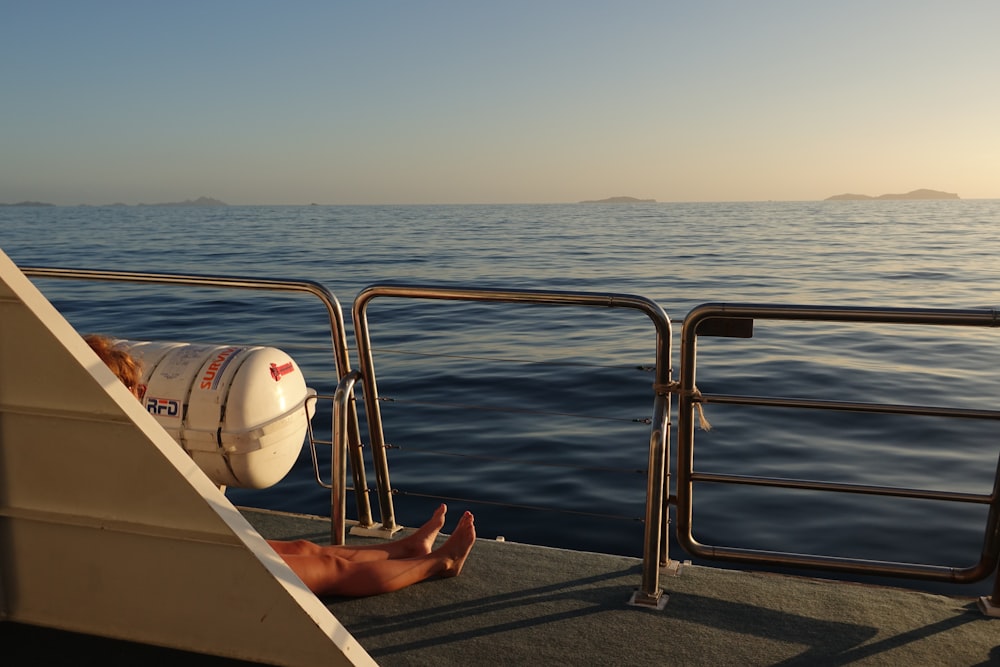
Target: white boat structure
{"type": "Point", "coordinates": [114, 540]}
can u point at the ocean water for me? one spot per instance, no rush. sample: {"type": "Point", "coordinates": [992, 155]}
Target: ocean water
{"type": "Point", "coordinates": [515, 411]}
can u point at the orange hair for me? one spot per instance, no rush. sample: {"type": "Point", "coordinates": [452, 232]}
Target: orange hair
{"type": "Point", "coordinates": [121, 363]}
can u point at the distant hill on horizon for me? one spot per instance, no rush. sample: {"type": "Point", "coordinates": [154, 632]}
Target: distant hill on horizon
{"type": "Point", "coordinates": [922, 193]}
{"type": "Point", "coordinates": [619, 200]}
{"type": "Point", "coordinates": [200, 201]}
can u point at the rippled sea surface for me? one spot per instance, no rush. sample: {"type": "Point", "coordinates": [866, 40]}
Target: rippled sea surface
{"type": "Point", "coordinates": [546, 407]}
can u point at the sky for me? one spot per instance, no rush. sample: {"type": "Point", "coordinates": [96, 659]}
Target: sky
{"type": "Point", "coordinates": [433, 102]}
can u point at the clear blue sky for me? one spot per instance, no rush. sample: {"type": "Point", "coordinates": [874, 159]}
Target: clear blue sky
{"type": "Point", "coordinates": [517, 101]}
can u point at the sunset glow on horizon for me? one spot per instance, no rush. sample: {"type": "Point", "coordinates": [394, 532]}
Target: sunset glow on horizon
{"type": "Point", "coordinates": [515, 102]}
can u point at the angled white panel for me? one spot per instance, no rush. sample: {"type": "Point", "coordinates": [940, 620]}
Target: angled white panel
{"type": "Point", "coordinates": [108, 528]}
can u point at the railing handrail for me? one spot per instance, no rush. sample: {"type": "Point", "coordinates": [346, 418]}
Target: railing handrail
{"type": "Point", "coordinates": [657, 484]}
{"type": "Point", "coordinates": [722, 314]}
{"type": "Point", "coordinates": [690, 398]}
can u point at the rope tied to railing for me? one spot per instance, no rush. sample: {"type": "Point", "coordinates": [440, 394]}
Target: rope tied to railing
{"type": "Point", "coordinates": [674, 387]}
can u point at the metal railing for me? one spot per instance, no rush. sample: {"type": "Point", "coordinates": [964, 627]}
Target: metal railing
{"type": "Point", "coordinates": [690, 398]}
{"type": "Point", "coordinates": [733, 320]}
{"type": "Point", "coordinates": [351, 439]}
{"type": "Point", "coordinates": [657, 483]}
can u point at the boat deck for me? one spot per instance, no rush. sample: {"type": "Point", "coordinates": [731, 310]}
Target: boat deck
{"type": "Point", "coordinates": [518, 604]}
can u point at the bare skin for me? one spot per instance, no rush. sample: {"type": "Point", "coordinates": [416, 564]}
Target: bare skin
{"type": "Point", "coordinates": [419, 543]}
{"type": "Point", "coordinates": [382, 568]}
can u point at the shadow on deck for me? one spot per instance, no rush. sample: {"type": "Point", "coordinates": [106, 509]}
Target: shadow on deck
{"type": "Point", "coordinates": [520, 604]}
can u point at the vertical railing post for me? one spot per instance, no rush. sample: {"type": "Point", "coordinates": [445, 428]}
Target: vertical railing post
{"type": "Point", "coordinates": [657, 491]}
{"type": "Point", "coordinates": [373, 414]}
{"type": "Point", "coordinates": [341, 438]}
{"type": "Point", "coordinates": [990, 605]}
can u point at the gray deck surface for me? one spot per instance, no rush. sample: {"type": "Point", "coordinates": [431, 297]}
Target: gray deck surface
{"type": "Point", "coordinates": [516, 604]}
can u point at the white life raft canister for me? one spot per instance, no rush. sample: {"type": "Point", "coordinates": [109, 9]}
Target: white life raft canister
{"type": "Point", "coordinates": [241, 413]}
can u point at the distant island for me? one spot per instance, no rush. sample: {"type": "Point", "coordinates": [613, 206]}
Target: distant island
{"type": "Point", "coordinates": [923, 193]}
{"type": "Point", "coordinates": [619, 200]}
{"type": "Point", "coordinates": [200, 201]}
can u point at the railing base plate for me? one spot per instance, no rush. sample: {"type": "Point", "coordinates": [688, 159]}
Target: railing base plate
{"type": "Point", "coordinates": [375, 531]}
{"type": "Point", "coordinates": [640, 599]}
